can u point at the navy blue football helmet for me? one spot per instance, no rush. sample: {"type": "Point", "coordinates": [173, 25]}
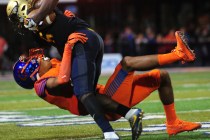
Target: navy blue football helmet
{"type": "Point", "coordinates": [25, 71]}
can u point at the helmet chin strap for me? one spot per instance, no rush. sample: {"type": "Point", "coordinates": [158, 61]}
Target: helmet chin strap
{"type": "Point", "coordinates": [33, 76]}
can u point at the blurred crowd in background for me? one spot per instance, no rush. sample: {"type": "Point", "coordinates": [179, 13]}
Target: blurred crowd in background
{"type": "Point", "coordinates": [137, 27]}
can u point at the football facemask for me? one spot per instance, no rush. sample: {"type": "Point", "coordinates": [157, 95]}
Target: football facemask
{"type": "Point", "coordinates": [25, 71]}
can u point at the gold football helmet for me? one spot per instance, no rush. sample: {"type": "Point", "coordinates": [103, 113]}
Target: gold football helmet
{"type": "Point", "coordinates": [17, 10]}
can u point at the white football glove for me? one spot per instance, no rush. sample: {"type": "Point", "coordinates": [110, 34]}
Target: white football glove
{"type": "Point", "coordinates": [30, 24]}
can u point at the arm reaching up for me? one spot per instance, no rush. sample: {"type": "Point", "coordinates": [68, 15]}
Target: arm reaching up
{"type": "Point", "coordinates": [65, 69]}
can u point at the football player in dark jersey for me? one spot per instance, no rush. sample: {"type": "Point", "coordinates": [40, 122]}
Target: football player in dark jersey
{"type": "Point", "coordinates": [51, 27]}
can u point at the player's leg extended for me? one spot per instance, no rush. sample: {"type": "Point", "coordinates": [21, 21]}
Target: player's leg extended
{"type": "Point", "coordinates": [145, 84]}
{"type": "Point", "coordinates": [174, 124]}
{"type": "Point", "coordinates": [181, 53]}
{"type": "Point", "coordinates": [84, 78]}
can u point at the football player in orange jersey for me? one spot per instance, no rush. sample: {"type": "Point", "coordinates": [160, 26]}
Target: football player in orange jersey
{"type": "Point", "coordinates": [123, 86]}
{"type": "Point", "coordinates": [51, 80]}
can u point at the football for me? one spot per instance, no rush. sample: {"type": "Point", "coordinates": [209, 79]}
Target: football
{"type": "Point", "coordinates": [48, 20]}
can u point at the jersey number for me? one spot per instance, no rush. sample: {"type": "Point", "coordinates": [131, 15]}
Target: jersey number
{"type": "Point", "coordinates": [47, 37]}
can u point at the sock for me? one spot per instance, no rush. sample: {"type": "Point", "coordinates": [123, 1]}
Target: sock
{"type": "Point", "coordinates": [111, 135]}
{"type": "Point", "coordinates": [102, 123]}
{"type": "Point", "coordinates": [170, 113]}
{"type": "Point", "coordinates": [168, 58]}
{"type": "Point", "coordinates": [122, 110]}
{"type": "Point", "coordinates": [96, 111]}
{"type": "Point", "coordinates": [130, 113]}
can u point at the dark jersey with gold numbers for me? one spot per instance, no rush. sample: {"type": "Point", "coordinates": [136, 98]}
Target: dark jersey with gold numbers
{"type": "Point", "coordinates": [57, 33]}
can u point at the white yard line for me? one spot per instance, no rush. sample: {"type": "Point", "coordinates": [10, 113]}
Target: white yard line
{"type": "Point", "coordinates": [185, 99]}
{"type": "Point", "coordinates": [195, 85]}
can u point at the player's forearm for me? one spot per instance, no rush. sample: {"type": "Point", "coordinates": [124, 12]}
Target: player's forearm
{"type": "Point", "coordinates": [46, 7]}
{"type": "Point", "coordinates": [65, 68]}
